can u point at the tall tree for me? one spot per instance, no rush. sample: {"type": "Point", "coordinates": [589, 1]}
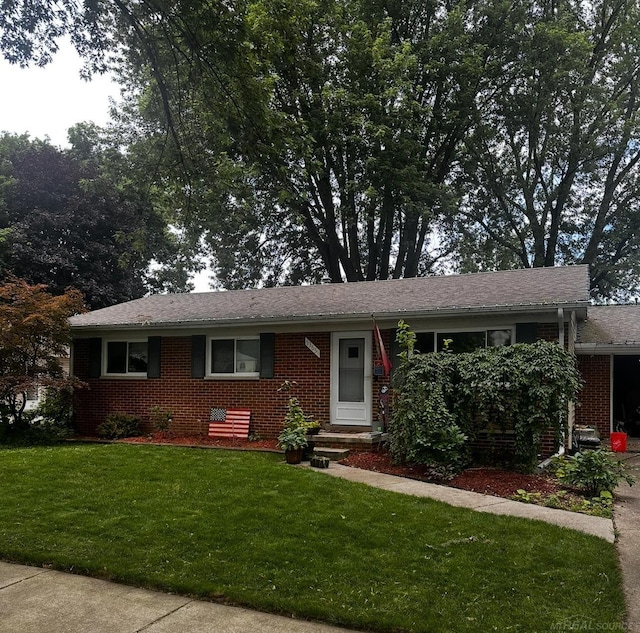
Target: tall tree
{"type": "Point", "coordinates": [360, 130]}
{"type": "Point", "coordinates": [361, 139]}
{"type": "Point", "coordinates": [332, 127]}
{"type": "Point", "coordinates": [552, 167]}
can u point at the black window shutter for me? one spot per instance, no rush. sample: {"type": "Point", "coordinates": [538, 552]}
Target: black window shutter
{"type": "Point", "coordinates": [154, 344]}
{"type": "Point", "coordinates": [198, 355]}
{"type": "Point", "coordinates": [267, 354]}
{"type": "Point", "coordinates": [526, 332]}
{"type": "Point", "coordinates": [95, 357]}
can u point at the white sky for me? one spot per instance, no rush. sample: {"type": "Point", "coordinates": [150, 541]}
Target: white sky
{"type": "Point", "coordinates": [47, 101]}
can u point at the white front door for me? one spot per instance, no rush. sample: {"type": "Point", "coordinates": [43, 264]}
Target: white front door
{"type": "Point", "coordinates": [351, 378]}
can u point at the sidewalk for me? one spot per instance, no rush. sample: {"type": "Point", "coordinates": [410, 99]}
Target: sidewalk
{"type": "Point", "coordinates": [627, 523]}
{"type": "Point", "coordinates": [35, 600]}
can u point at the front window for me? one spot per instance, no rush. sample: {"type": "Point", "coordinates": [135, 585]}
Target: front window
{"type": "Point", "coordinates": [460, 342]}
{"type": "Point", "coordinates": [127, 357]}
{"type": "Point", "coordinates": [234, 356]}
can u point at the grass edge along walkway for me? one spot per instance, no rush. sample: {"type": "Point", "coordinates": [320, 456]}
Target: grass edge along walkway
{"type": "Point", "coordinates": [589, 524]}
{"type": "Point", "coordinates": [247, 529]}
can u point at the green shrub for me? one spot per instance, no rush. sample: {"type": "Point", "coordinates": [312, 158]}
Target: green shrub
{"type": "Point", "coordinates": [51, 422]}
{"type": "Point", "coordinates": [160, 418]}
{"type": "Point", "coordinates": [443, 400]}
{"type": "Point", "coordinates": [119, 425]}
{"type": "Point", "coordinates": [56, 413]}
{"type": "Point", "coordinates": [424, 431]}
{"type": "Point", "coordinates": [295, 416]}
{"type": "Point", "coordinates": [291, 439]}
{"type": "Point", "coordinates": [594, 472]}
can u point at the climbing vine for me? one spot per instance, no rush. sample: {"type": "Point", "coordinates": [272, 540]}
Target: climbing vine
{"type": "Point", "coordinates": [443, 400]}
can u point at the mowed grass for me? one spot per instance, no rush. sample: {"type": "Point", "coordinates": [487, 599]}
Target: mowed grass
{"type": "Point", "coordinates": [245, 528]}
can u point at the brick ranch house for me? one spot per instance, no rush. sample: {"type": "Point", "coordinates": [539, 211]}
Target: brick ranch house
{"type": "Point", "coordinates": [189, 353]}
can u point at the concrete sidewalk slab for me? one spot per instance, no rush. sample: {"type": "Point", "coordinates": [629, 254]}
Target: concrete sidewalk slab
{"type": "Point", "coordinates": [33, 600]}
{"type": "Point", "coordinates": [12, 574]}
{"type": "Point", "coordinates": [596, 526]}
{"type": "Point", "coordinates": [202, 617]}
{"type": "Point", "coordinates": [54, 601]}
{"type": "Point", "coordinates": [627, 522]}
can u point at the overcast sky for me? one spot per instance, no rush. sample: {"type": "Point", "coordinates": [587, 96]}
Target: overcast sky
{"type": "Point", "coordinates": [47, 101]}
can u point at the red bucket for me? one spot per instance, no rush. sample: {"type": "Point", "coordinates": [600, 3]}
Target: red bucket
{"type": "Point", "coordinates": [618, 442]}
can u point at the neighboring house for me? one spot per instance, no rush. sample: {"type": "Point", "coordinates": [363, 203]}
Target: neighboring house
{"type": "Point", "coordinates": [33, 397]}
{"type": "Point", "coordinates": [36, 393]}
{"type": "Point", "coordinates": [189, 353]}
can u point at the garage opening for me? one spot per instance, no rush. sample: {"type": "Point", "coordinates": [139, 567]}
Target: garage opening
{"type": "Point", "coordinates": [626, 394]}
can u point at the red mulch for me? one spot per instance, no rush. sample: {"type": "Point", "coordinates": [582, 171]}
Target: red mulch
{"type": "Point", "coordinates": [492, 481]}
{"type": "Point", "coordinates": [163, 437]}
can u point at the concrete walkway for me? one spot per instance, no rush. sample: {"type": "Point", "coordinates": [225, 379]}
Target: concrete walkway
{"type": "Point", "coordinates": [627, 523]}
{"type": "Point", "coordinates": [596, 526]}
{"type": "Point", "coordinates": [33, 600]}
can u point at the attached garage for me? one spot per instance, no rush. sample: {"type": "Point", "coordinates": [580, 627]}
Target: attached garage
{"type": "Point", "coordinates": [608, 351]}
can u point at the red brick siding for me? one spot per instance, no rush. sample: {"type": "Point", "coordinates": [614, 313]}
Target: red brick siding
{"type": "Point", "coordinates": [490, 448]}
{"type": "Point", "coordinates": [594, 400]}
{"type": "Point", "coordinates": [190, 399]}
{"type": "Point", "coordinates": [549, 332]}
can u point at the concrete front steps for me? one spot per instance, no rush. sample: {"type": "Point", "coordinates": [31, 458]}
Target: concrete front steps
{"type": "Point", "coordinates": [336, 444]}
{"type": "Point", "coordinates": [334, 454]}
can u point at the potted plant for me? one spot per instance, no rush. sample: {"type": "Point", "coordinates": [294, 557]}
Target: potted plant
{"type": "Point", "coordinates": [293, 442]}
{"type": "Point", "coordinates": [312, 427]}
{"type": "Point", "coordinates": [295, 416]}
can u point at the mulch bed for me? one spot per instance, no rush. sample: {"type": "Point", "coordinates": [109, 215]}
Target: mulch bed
{"type": "Point", "coordinates": [163, 437]}
{"type": "Point", "coordinates": [491, 481]}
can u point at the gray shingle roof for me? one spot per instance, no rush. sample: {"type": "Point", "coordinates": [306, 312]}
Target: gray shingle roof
{"type": "Point", "coordinates": [534, 289]}
{"type": "Point", "coordinates": [611, 325]}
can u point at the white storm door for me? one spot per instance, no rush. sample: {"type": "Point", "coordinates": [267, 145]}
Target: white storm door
{"type": "Point", "coordinates": [351, 378]}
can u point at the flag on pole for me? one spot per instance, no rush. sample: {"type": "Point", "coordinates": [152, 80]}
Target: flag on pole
{"type": "Point", "coordinates": [386, 363]}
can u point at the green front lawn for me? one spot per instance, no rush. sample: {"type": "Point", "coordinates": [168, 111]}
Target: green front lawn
{"type": "Point", "coordinates": [248, 529]}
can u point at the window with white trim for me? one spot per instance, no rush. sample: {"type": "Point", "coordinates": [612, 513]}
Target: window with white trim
{"type": "Point", "coordinates": [463, 341]}
{"type": "Point", "coordinates": [234, 356]}
{"type": "Point", "coordinates": [126, 358]}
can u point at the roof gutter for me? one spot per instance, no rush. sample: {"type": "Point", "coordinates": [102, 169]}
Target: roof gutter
{"type": "Point", "coordinates": [628, 347]}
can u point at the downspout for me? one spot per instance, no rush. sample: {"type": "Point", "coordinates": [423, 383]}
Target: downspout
{"type": "Point", "coordinates": [571, 348]}
{"type": "Point", "coordinates": [571, 412]}
{"type": "Point", "coordinates": [561, 327]}
{"type": "Point", "coordinates": [573, 337]}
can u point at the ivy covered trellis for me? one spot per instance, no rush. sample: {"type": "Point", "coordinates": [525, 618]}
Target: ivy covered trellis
{"type": "Point", "coordinates": [443, 400]}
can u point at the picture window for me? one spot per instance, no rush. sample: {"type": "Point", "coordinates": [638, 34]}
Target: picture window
{"type": "Point", "coordinates": [234, 356]}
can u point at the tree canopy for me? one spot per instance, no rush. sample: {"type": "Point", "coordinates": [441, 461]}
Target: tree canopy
{"type": "Point", "coordinates": [69, 223]}
{"type": "Point", "coordinates": [365, 139]}
{"type": "Point", "coordinates": [551, 173]}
